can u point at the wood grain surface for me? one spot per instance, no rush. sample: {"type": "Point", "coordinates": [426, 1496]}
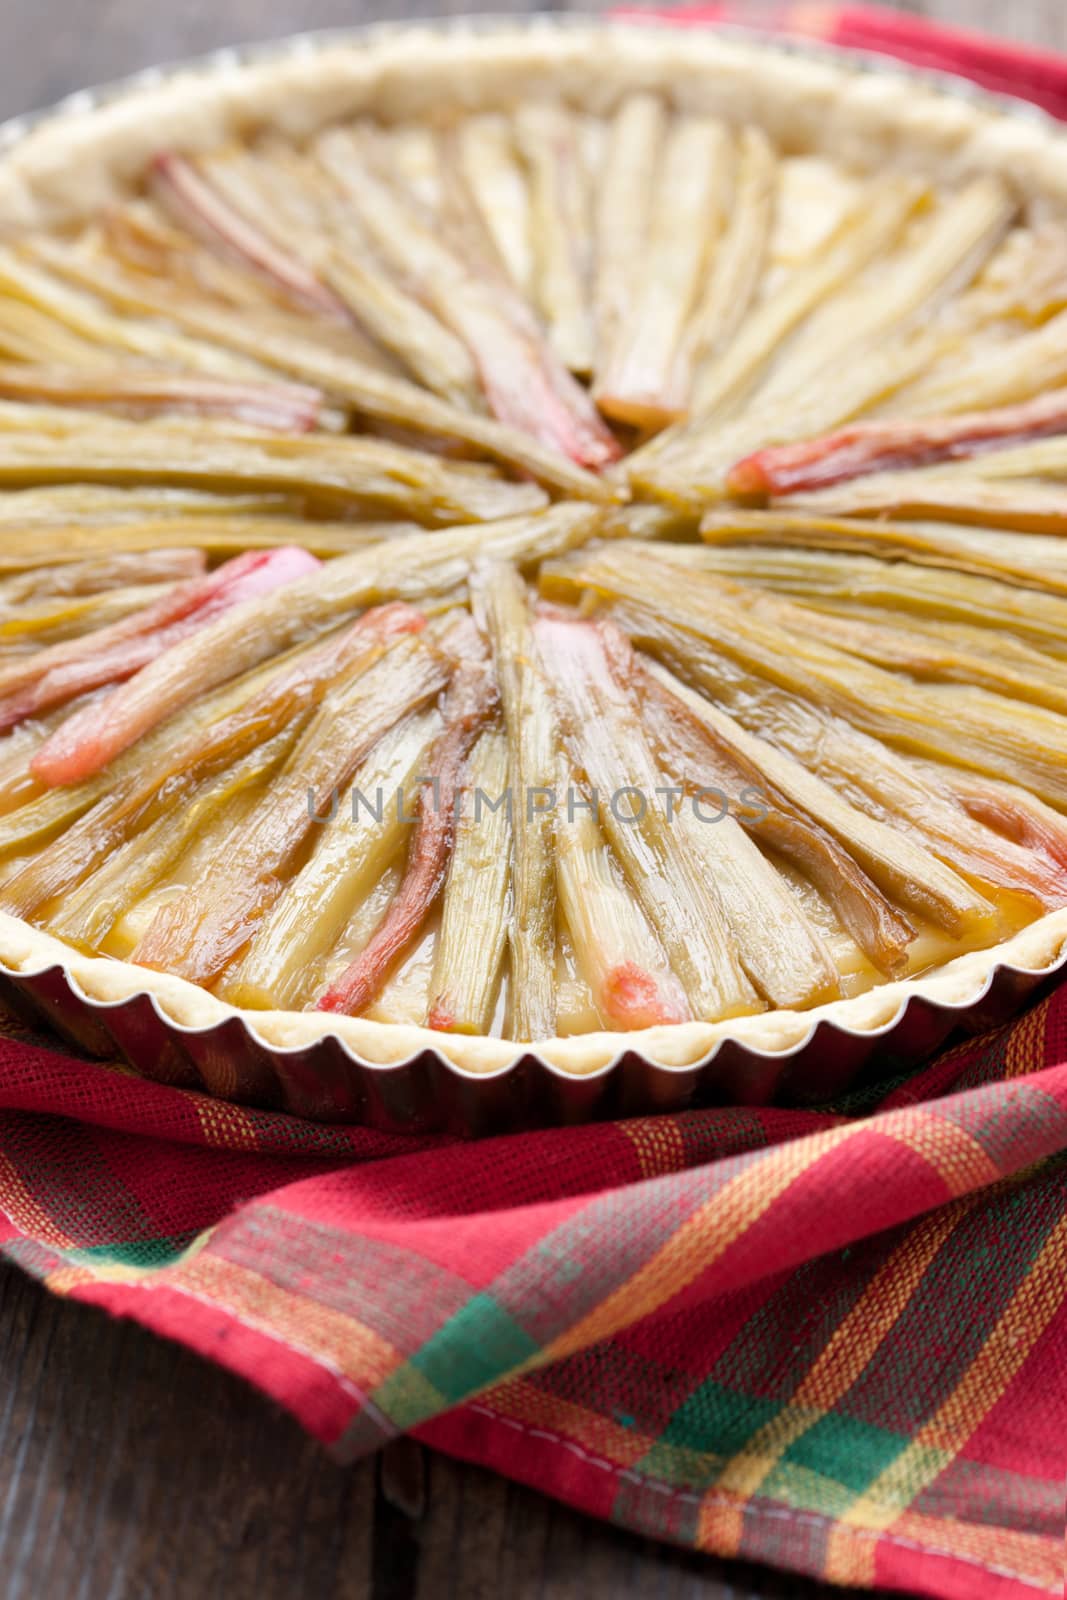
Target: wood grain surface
{"type": "Point", "coordinates": [131, 1470]}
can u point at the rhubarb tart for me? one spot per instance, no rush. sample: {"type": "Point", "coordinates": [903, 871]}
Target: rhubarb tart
{"type": "Point", "coordinates": [533, 543]}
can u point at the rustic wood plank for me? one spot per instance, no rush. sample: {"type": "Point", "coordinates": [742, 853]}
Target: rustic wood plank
{"type": "Point", "coordinates": [52, 47]}
{"type": "Point", "coordinates": [1034, 22]}
{"type": "Point", "coordinates": [128, 1467]}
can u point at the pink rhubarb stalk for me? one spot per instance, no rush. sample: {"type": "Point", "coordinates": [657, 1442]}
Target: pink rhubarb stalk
{"type": "Point", "coordinates": [469, 702]}
{"type": "Point", "coordinates": [868, 447]}
{"type": "Point", "coordinates": [91, 737]}
{"type": "Point", "coordinates": [279, 407]}
{"type": "Point", "coordinates": [197, 203]}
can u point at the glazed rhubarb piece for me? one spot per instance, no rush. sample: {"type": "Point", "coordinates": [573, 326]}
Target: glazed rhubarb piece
{"type": "Point", "coordinates": [214, 339]}
{"type": "Point", "coordinates": [403, 568]}
{"type": "Point", "coordinates": [49, 817]}
{"type": "Point", "coordinates": [991, 734]}
{"type": "Point", "coordinates": [486, 156]}
{"type": "Point", "coordinates": [1035, 561]}
{"type": "Point", "coordinates": [500, 596]}
{"type": "Point", "coordinates": [470, 946]}
{"type": "Point", "coordinates": [1013, 812]}
{"type": "Point", "coordinates": [1002, 373]}
{"type": "Point", "coordinates": [149, 253]}
{"type": "Point", "coordinates": [906, 873]}
{"type": "Point", "coordinates": [939, 255]}
{"type": "Point", "coordinates": [115, 897]}
{"type": "Point", "coordinates": [359, 836]}
{"type": "Point", "coordinates": [275, 407]}
{"type": "Point", "coordinates": [95, 577]}
{"type": "Point", "coordinates": [523, 382]}
{"type": "Point", "coordinates": [60, 620]}
{"type": "Point", "coordinates": [21, 551]}
{"type": "Point", "coordinates": [691, 461]}
{"type": "Point", "coordinates": [1019, 486]}
{"type": "Point", "coordinates": [220, 731]}
{"type": "Point", "coordinates": [795, 968]}
{"type": "Point", "coordinates": [143, 236]}
{"type": "Point", "coordinates": [29, 334]}
{"type": "Point", "coordinates": [937, 492]}
{"type": "Point", "coordinates": [340, 474]}
{"type": "Point", "coordinates": [963, 652]}
{"type": "Point", "coordinates": [30, 277]}
{"type": "Point", "coordinates": [112, 654]}
{"type": "Point", "coordinates": [199, 205]}
{"type": "Point", "coordinates": [651, 613]}
{"type": "Point", "coordinates": [440, 170]}
{"type": "Point", "coordinates": [471, 698]}
{"type": "Point", "coordinates": [941, 655]}
{"type": "Point", "coordinates": [199, 934]}
{"type": "Point", "coordinates": [712, 761]}
{"type": "Point", "coordinates": [737, 264]}
{"type": "Point", "coordinates": [1016, 872]}
{"type": "Point", "coordinates": [1005, 614]}
{"type": "Point", "coordinates": [899, 791]}
{"type": "Point", "coordinates": [293, 199]}
{"type": "Point", "coordinates": [933, 623]}
{"type": "Point", "coordinates": [622, 208]}
{"type": "Point", "coordinates": [866, 232]}
{"type": "Point", "coordinates": [80, 507]}
{"type": "Point", "coordinates": [602, 731]}
{"type": "Point", "coordinates": [615, 949]}
{"type": "Point", "coordinates": [640, 381]}
{"type": "Point", "coordinates": [559, 223]}
{"type": "Point", "coordinates": [420, 342]}
{"type": "Point", "coordinates": [884, 446]}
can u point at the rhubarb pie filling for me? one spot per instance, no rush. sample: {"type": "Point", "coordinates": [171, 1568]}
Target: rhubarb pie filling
{"type": "Point", "coordinates": [567, 567]}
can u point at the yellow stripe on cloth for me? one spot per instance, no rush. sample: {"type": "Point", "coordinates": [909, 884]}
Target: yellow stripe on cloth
{"type": "Point", "coordinates": [1024, 1558]}
{"type": "Point", "coordinates": [658, 1144]}
{"type": "Point", "coordinates": [1024, 1049]}
{"type": "Point", "coordinates": [589, 1430]}
{"type": "Point", "coordinates": [851, 1348]}
{"type": "Point", "coordinates": [698, 1242]}
{"type": "Point", "coordinates": [726, 1216]}
{"type": "Point", "coordinates": [955, 1155]}
{"type": "Point", "coordinates": [29, 1216]}
{"type": "Point", "coordinates": [340, 1343]}
{"type": "Point", "coordinates": [857, 1339]}
{"type": "Point", "coordinates": [939, 1441]}
{"type": "Point", "coordinates": [989, 1545]}
{"type": "Point", "coordinates": [721, 1521]}
{"type": "Point", "coordinates": [226, 1125]}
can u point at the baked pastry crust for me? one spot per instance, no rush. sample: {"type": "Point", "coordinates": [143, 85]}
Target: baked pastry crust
{"type": "Point", "coordinates": [74, 164]}
{"type": "Point", "coordinates": [961, 983]}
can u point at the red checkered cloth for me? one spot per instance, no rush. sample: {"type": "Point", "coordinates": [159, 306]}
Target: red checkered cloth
{"type": "Point", "coordinates": [833, 1341]}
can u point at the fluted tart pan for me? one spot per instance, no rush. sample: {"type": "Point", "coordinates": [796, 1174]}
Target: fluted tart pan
{"type": "Point", "coordinates": [707, 560]}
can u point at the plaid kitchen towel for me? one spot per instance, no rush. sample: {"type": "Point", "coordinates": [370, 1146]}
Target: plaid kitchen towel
{"type": "Point", "coordinates": [833, 1341]}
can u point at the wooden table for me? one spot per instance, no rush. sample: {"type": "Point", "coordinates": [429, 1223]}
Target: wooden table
{"type": "Point", "coordinates": [131, 1470]}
